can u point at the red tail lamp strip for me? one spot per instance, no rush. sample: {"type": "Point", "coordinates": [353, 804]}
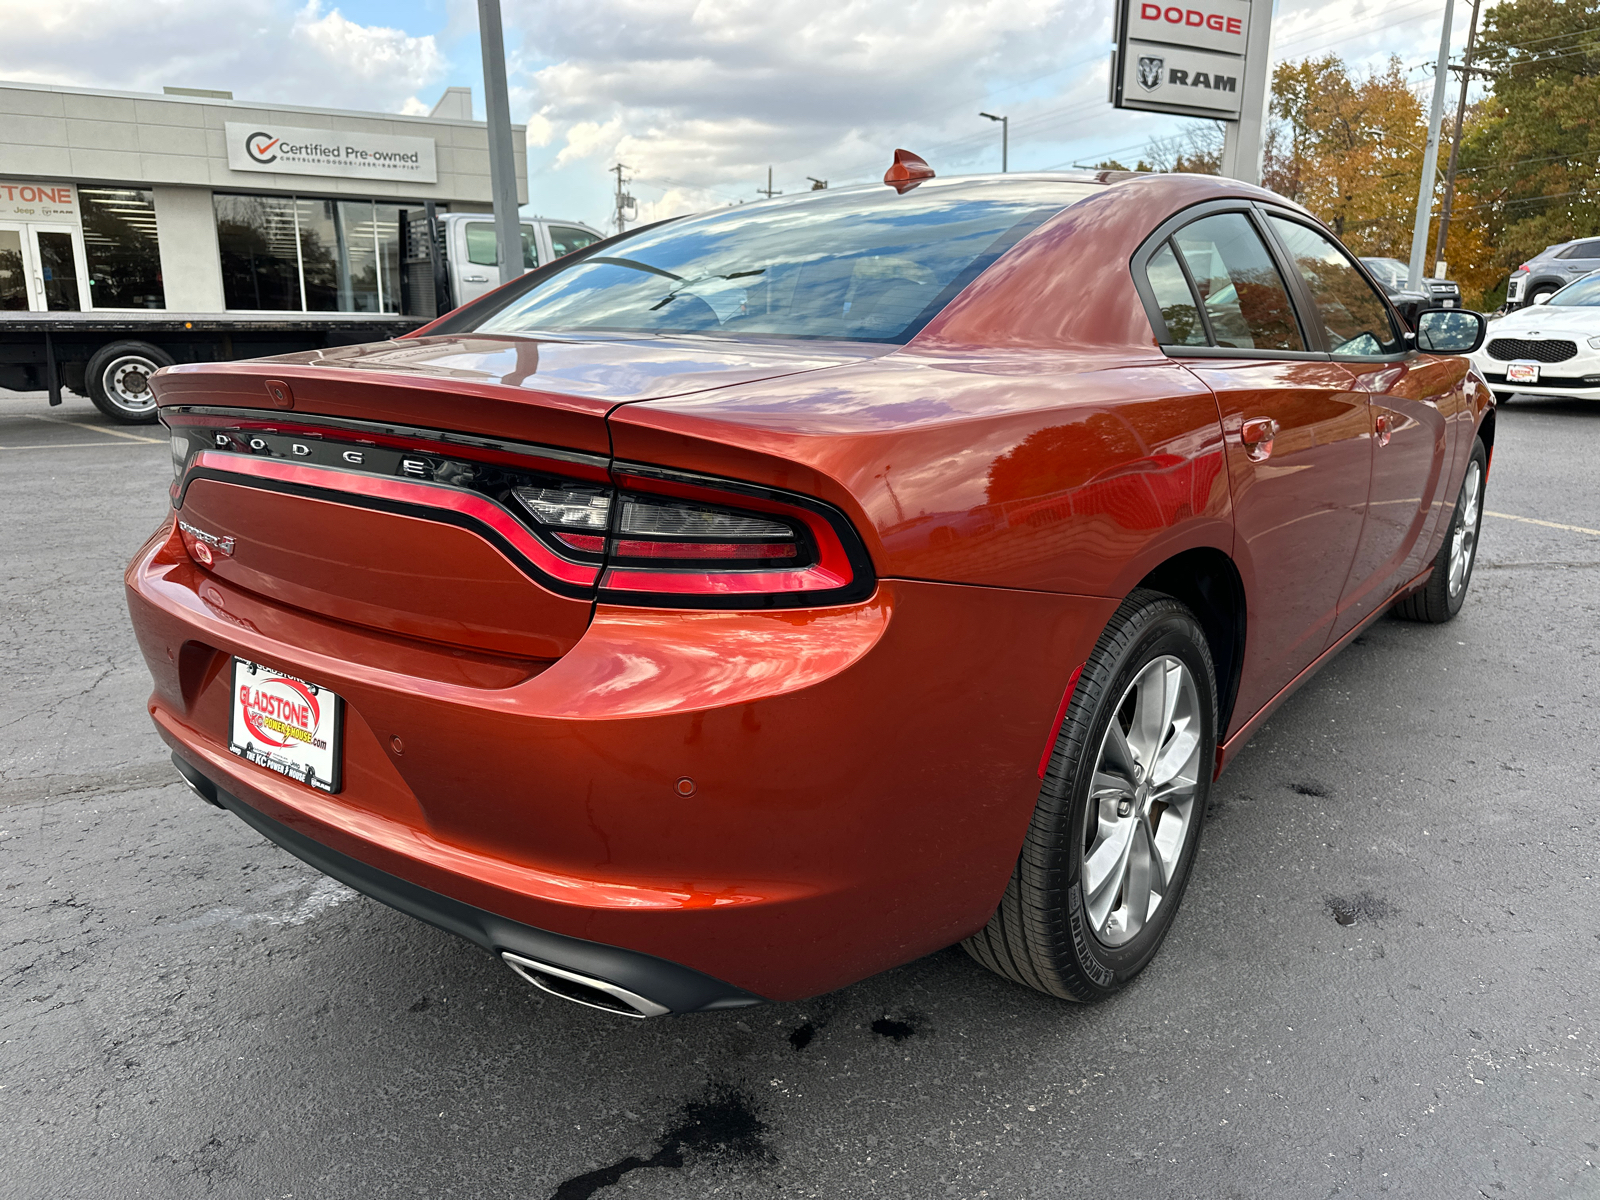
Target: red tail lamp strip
{"type": "Point", "coordinates": [405, 491]}
{"type": "Point", "coordinates": [831, 571]}
{"type": "Point", "coordinates": [1061, 715]}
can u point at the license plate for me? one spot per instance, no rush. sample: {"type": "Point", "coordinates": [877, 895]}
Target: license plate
{"type": "Point", "coordinates": [1449, 304]}
{"type": "Point", "coordinates": [286, 725]}
{"type": "Point", "coordinates": [1521, 372]}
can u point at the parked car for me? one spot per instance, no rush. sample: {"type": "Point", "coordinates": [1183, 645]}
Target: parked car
{"type": "Point", "coordinates": [1393, 275]}
{"type": "Point", "coordinates": [1550, 348]}
{"type": "Point", "coordinates": [756, 601]}
{"type": "Point", "coordinates": [1551, 270]}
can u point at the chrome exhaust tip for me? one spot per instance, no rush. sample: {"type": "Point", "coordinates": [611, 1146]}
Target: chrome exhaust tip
{"type": "Point", "coordinates": [583, 989]}
{"type": "Point", "coordinates": [198, 783]}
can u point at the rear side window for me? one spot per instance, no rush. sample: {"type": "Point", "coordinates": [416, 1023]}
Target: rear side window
{"type": "Point", "coordinates": [1176, 300]}
{"type": "Point", "coordinates": [1243, 296]}
{"type": "Point", "coordinates": [564, 239]}
{"type": "Point", "coordinates": [1581, 250]}
{"type": "Point", "coordinates": [1353, 315]}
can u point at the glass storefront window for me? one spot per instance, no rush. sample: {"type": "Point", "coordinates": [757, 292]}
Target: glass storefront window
{"type": "Point", "coordinates": [299, 254]}
{"type": "Point", "coordinates": [260, 254]}
{"type": "Point", "coordinates": [123, 251]}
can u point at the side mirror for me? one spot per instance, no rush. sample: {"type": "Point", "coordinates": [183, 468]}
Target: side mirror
{"type": "Point", "coordinates": [1450, 330]}
{"type": "Point", "coordinates": [1543, 298]}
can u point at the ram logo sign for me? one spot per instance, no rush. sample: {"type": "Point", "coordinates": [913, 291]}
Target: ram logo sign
{"type": "Point", "coordinates": [1150, 73]}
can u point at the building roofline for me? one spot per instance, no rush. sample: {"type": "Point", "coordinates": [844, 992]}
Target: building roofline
{"type": "Point", "coordinates": [211, 102]}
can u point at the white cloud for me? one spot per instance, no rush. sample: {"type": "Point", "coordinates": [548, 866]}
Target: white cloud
{"type": "Point", "coordinates": [699, 96]}
{"type": "Point", "coordinates": [269, 50]}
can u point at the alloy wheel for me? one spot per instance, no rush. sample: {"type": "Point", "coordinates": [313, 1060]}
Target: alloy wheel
{"type": "Point", "coordinates": [1464, 536]}
{"type": "Point", "coordinates": [1141, 800]}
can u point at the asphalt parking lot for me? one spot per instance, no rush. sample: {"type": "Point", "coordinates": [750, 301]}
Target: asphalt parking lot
{"type": "Point", "coordinates": [1383, 978]}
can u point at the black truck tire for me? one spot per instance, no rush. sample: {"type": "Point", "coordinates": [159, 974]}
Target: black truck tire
{"type": "Point", "coordinates": [118, 379]}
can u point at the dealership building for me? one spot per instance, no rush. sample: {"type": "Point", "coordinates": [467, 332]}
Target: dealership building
{"type": "Point", "coordinates": [195, 202]}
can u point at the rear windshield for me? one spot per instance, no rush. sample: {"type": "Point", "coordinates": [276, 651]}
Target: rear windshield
{"type": "Point", "coordinates": [857, 264]}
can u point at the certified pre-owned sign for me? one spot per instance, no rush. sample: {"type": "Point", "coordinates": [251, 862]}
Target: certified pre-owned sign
{"type": "Point", "coordinates": [281, 149]}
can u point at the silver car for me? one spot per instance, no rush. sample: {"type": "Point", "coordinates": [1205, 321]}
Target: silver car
{"type": "Point", "coordinates": [1552, 269]}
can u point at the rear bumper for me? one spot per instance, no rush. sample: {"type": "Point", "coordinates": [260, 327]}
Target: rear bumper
{"type": "Point", "coordinates": [860, 778]}
{"type": "Point", "coordinates": [675, 988]}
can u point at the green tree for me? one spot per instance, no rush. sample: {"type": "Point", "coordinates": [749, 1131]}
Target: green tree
{"type": "Point", "coordinates": [1531, 155]}
{"type": "Point", "coordinates": [1349, 149]}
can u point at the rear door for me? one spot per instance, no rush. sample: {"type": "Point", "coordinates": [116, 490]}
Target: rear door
{"type": "Point", "coordinates": [1579, 259]}
{"type": "Point", "coordinates": [1294, 428]}
{"type": "Point", "coordinates": [1410, 400]}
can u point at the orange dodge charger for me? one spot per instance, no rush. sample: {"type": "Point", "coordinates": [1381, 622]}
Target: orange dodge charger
{"type": "Point", "coordinates": [755, 601]}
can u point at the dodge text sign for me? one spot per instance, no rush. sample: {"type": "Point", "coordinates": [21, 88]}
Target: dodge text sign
{"type": "Point", "coordinates": [283, 150]}
{"type": "Point", "coordinates": [1219, 25]}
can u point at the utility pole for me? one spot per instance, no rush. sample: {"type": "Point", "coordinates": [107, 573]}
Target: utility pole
{"type": "Point", "coordinates": [1455, 143]}
{"type": "Point", "coordinates": [1005, 138]}
{"type": "Point", "coordinates": [624, 201]}
{"type": "Point", "coordinates": [1430, 157]}
{"type": "Point", "coordinates": [817, 185]}
{"type": "Point", "coordinates": [502, 160]}
{"type": "Point", "coordinates": [767, 191]}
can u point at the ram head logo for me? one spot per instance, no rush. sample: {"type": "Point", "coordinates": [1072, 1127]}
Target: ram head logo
{"type": "Point", "coordinates": [1150, 72]}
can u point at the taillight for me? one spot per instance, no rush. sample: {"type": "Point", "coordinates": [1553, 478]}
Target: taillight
{"type": "Point", "coordinates": [689, 541]}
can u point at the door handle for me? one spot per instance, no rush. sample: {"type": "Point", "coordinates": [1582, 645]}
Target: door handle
{"type": "Point", "coordinates": [1257, 434]}
{"type": "Point", "coordinates": [1385, 427]}
{"type": "Point", "coordinates": [474, 279]}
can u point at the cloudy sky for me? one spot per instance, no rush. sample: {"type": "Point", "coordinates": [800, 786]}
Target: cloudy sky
{"type": "Point", "coordinates": [699, 97]}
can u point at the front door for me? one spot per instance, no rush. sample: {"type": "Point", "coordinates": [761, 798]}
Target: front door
{"type": "Point", "coordinates": [1409, 400]}
{"type": "Point", "coordinates": [1297, 451]}
{"type": "Point", "coordinates": [41, 268]}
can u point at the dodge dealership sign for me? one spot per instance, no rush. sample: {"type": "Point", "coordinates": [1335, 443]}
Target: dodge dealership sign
{"type": "Point", "coordinates": [280, 149]}
{"type": "Point", "coordinates": [1181, 58]}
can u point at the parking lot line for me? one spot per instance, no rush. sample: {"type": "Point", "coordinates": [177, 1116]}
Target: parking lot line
{"type": "Point", "coordinates": [81, 445]}
{"type": "Point", "coordinates": [121, 433]}
{"type": "Point", "coordinates": [1546, 524]}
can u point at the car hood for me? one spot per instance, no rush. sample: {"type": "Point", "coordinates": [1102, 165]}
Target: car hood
{"type": "Point", "coordinates": [1549, 319]}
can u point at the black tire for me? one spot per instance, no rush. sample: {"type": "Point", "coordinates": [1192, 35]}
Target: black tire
{"type": "Point", "coordinates": [118, 377]}
{"type": "Point", "coordinates": [1548, 289]}
{"type": "Point", "coordinates": [1437, 601]}
{"type": "Point", "coordinates": [1503, 397]}
{"type": "Point", "coordinates": [1042, 934]}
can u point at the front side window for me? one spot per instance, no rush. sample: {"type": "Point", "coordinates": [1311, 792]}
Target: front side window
{"type": "Point", "coordinates": [855, 264]}
{"type": "Point", "coordinates": [1353, 314]}
{"type": "Point", "coordinates": [1245, 301]}
{"type": "Point", "coordinates": [123, 251]}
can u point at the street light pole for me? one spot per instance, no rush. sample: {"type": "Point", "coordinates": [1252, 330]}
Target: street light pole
{"type": "Point", "coordinates": [1430, 158]}
{"type": "Point", "coordinates": [1005, 139]}
{"type": "Point", "coordinates": [502, 159]}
